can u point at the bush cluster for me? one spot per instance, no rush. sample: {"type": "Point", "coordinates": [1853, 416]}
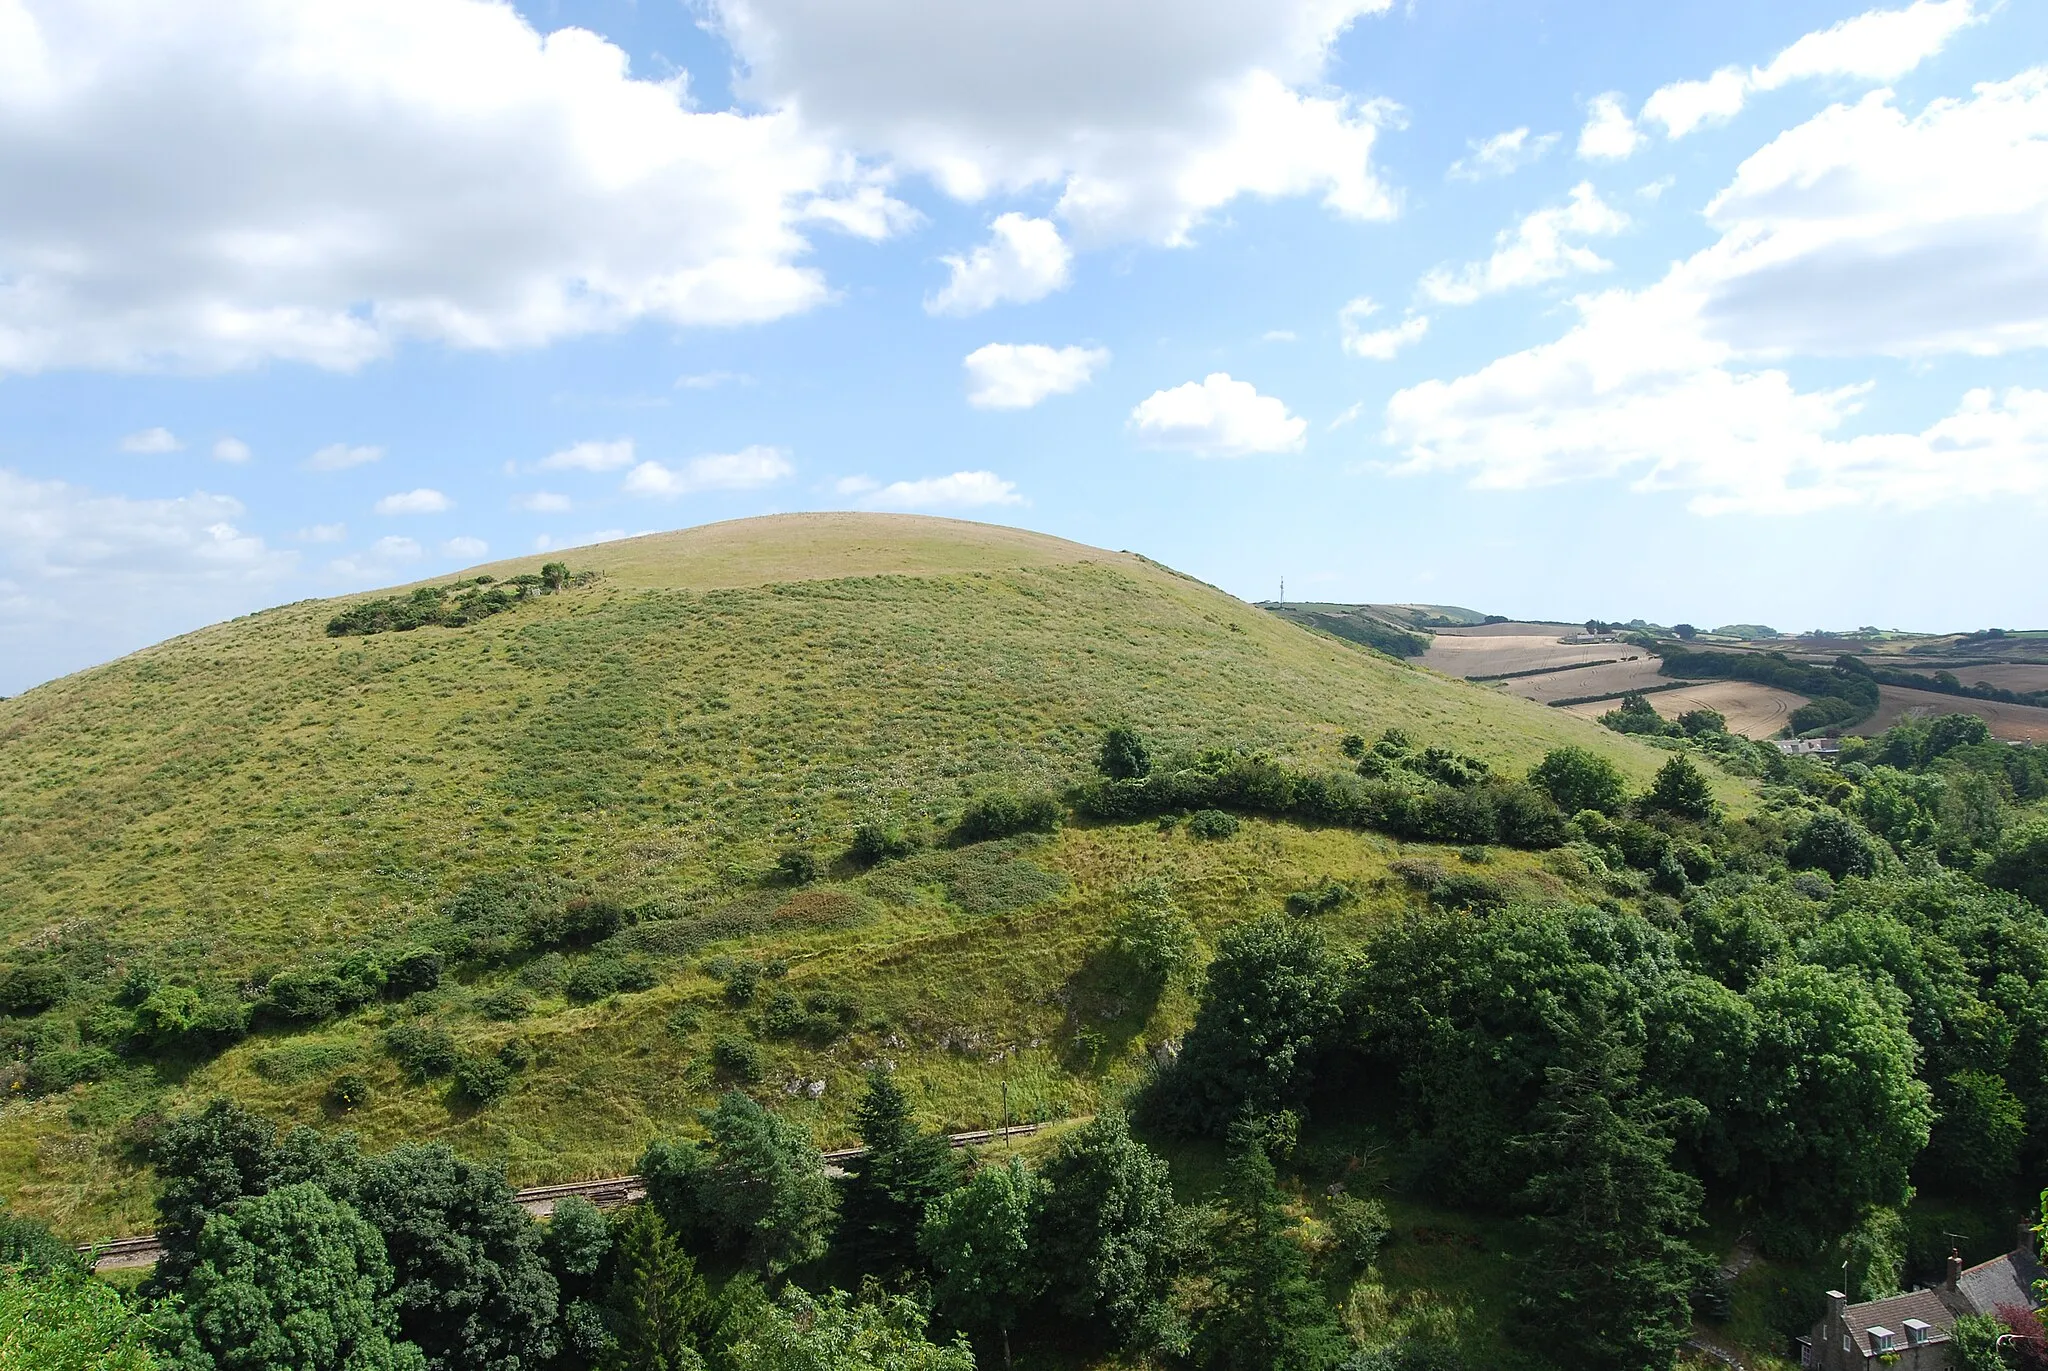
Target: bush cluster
{"type": "Point", "coordinates": [451, 606]}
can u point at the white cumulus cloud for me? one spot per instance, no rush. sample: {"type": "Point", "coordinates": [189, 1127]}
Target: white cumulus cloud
{"type": "Point", "coordinates": [591, 456]}
{"type": "Point", "coordinates": [465, 548]}
{"type": "Point", "coordinates": [322, 533]}
{"type": "Point", "coordinates": [1146, 115]}
{"type": "Point", "coordinates": [1217, 417]}
{"type": "Point", "coordinates": [1024, 260]}
{"type": "Point", "coordinates": [1378, 345]}
{"type": "Point", "coordinates": [316, 181]}
{"type": "Point", "coordinates": [748, 469]}
{"type": "Point", "coordinates": [86, 576]}
{"type": "Point", "coordinates": [1609, 134]}
{"type": "Point", "coordinates": [232, 450]}
{"type": "Point", "coordinates": [1878, 45]}
{"type": "Point", "coordinates": [382, 560]}
{"type": "Point", "coordinates": [420, 501]}
{"type": "Point", "coordinates": [342, 456]}
{"type": "Point", "coordinates": [1861, 232]}
{"type": "Point", "coordinates": [961, 490]}
{"type": "Point", "coordinates": [543, 502]}
{"type": "Point", "coordinates": [151, 441]}
{"type": "Point", "coordinates": [1501, 154]}
{"type": "Point", "coordinates": [1019, 375]}
{"type": "Point", "coordinates": [1534, 251]}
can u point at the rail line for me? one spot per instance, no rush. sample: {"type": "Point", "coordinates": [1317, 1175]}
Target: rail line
{"type": "Point", "coordinates": [606, 1192]}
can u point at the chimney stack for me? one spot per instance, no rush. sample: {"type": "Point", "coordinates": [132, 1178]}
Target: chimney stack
{"type": "Point", "coordinates": [1955, 1269]}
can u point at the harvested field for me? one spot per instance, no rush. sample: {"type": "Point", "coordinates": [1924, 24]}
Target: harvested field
{"type": "Point", "coordinates": [1516, 628]}
{"type": "Point", "coordinates": [2020, 676]}
{"type": "Point", "coordinates": [1616, 679]}
{"type": "Point", "coordinates": [1469, 652]}
{"type": "Point", "coordinates": [2019, 723]}
{"type": "Point", "coordinates": [1754, 711]}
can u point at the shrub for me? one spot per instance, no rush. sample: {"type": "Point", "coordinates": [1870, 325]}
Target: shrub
{"type": "Point", "coordinates": [1212, 823]}
{"type": "Point", "coordinates": [1353, 746]}
{"type": "Point", "coordinates": [177, 1018]}
{"type": "Point", "coordinates": [137, 985]}
{"type": "Point", "coordinates": [738, 1058]}
{"type": "Point", "coordinates": [303, 996]}
{"type": "Point", "coordinates": [546, 972]}
{"type": "Point", "coordinates": [1682, 790]}
{"type": "Point", "coordinates": [64, 1068]}
{"type": "Point", "coordinates": [875, 841]}
{"type": "Point", "coordinates": [413, 970]}
{"type": "Point", "coordinates": [794, 866]}
{"type": "Point", "coordinates": [577, 922]}
{"type": "Point", "coordinates": [601, 974]}
{"type": "Point", "coordinates": [1153, 939]}
{"type": "Point", "coordinates": [1578, 779]}
{"type": "Point", "coordinates": [1833, 843]}
{"type": "Point", "coordinates": [742, 980]}
{"type": "Point", "coordinates": [423, 1051]}
{"type": "Point", "coordinates": [26, 990]}
{"type": "Point", "coordinates": [1359, 1226]}
{"type": "Point", "coordinates": [1001, 813]}
{"type": "Point", "coordinates": [1123, 756]}
{"type": "Point", "coordinates": [505, 1004]}
{"type": "Point", "coordinates": [1328, 896]}
{"type": "Point", "coordinates": [483, 1080]}
{"type": "Point", "coordinates": [349, 1091]}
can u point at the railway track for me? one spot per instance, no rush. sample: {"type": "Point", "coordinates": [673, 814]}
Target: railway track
{"type": "Point", "coordinates": [606, 1192]}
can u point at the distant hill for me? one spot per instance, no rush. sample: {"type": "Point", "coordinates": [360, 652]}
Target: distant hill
{"type": "Point", "coordinates": [260, 797]}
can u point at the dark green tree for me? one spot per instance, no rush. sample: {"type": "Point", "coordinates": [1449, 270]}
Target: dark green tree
{"type": "Point", "coordinates": [1681, 789]}
{"type": "Point", "coordinates": [1833, 843]}
{"type": "Point", "coordinates": [1833, 1114]}
{"type": "Point", "coordinates": [57, 1320]}
{"type": "Point", "coordinates": [473, 1290]}
{"type": "Point", "coordinates": [1103, 1236]}
{"type": "Point", "coordinates": [1608, 1276]}
{"type": "Point", "coordinates": [756, 1189]}
{"type": "Point", "coordinates": [208, 1159]}
{"type": "Point", "coordinates": [1270, 1006]}
{"type": "Point", "coordinates": [1269, 1315]}
{"type": "Point", "coordinates": [293, 1280]}
{"type": "Point", "coordinates": [1578, 779]}
{"type": "Point", "coordinates": [978, 1241]}
{"type": "Point", "coordinates": [577, 1245]}
{"type": "Point", "coordinates": [658, 1299]}
{"type": "Point", "coordinates": [887, 1189]}
{"type": "Point", "coordinates": [1124, 756]}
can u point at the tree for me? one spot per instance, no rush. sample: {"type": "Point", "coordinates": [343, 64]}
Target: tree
{"type": "Point", "coordinates": [1153, 938]}
{"type": "Point", "coordinates": [658, 1298]}
{"type": "Point", "coordinates": [1685, 631]}
{"type": "Point", "coordinates": [1124, 756]}
{"type": "Point", "coordinates": [1269, 1315]}
{"type": "Point", "coordinates": [1580, 780]}
{"type": "Point", "coordinates": [28, 1244]}
{"type": "Point", "coordinates": [1682, 790]}
{"type": "Point", "coordinates": [1833, 843]}
{"type": "Point", "coordinates": [473, 1291]}
{"type": "Point", "coordinates": [554, 575]}
{"type": "Point", "coordinates": [293, 1280]}
{"type": "Point", "coordinates": [208, 1159]}
{"type": "Point", "coordinates": [1979, 1131]}
{"type": "Point", "coordinates": [63, 1320]}
{"type": "Point", "coordinates": [756, 1189]}
{"type": "Point", "coordinates": [1608, 1278]}
{"type": "Point", "coordinates": [578, 1246]}
{"type": "Point", "coordinates": [1102, 1238]}
{"type": "Point", "coordinates": [833, 1332]}
{"type": "Point", "coordinates": [2021, 864]}
{"type": "Point", "coordinates": [978, 1241]}
{"type": "Point", "coordinates": [888, 1188]}
{"type": "Point", "coordinates": [1833, 1113]}
{"type": "Point", "coordinates": [1271, 1002]}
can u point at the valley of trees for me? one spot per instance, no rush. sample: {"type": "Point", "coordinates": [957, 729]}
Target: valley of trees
{"type": "Point", "coordinates": [1821, 1025]}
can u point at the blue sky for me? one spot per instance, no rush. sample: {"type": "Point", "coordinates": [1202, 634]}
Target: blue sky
{"type": "Point", "coordinates": [1717, 312]}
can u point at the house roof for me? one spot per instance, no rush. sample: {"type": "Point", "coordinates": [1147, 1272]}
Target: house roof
{"type": "Point", "coordinates": [1892, 1313]}
{"type": "Point", "coordinates": [2002, 1280]}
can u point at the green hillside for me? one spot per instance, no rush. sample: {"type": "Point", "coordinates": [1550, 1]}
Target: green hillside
{"type": "Point", "coordinates": [259, 797]}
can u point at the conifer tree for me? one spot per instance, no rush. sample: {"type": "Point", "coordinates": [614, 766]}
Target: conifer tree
{"type": "Point", "coordinates": [658, 1298]}
{"type": "Point", "coordinates": [1271, 1315]}
{"type": "Point", "coordinates": [889, 1187]}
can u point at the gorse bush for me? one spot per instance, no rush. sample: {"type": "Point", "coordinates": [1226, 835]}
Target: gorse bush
{"type": "Point", "coordinates": [450, 606]}
{"type": "Point", "coordinates": [1002, 813]}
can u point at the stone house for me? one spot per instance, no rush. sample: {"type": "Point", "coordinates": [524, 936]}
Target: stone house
{"type": "Point", "coordinates": [1911, 1331]}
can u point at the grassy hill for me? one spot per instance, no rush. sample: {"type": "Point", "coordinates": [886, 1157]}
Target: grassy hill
{"type": "Point", "coordinates": [258, 797]}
